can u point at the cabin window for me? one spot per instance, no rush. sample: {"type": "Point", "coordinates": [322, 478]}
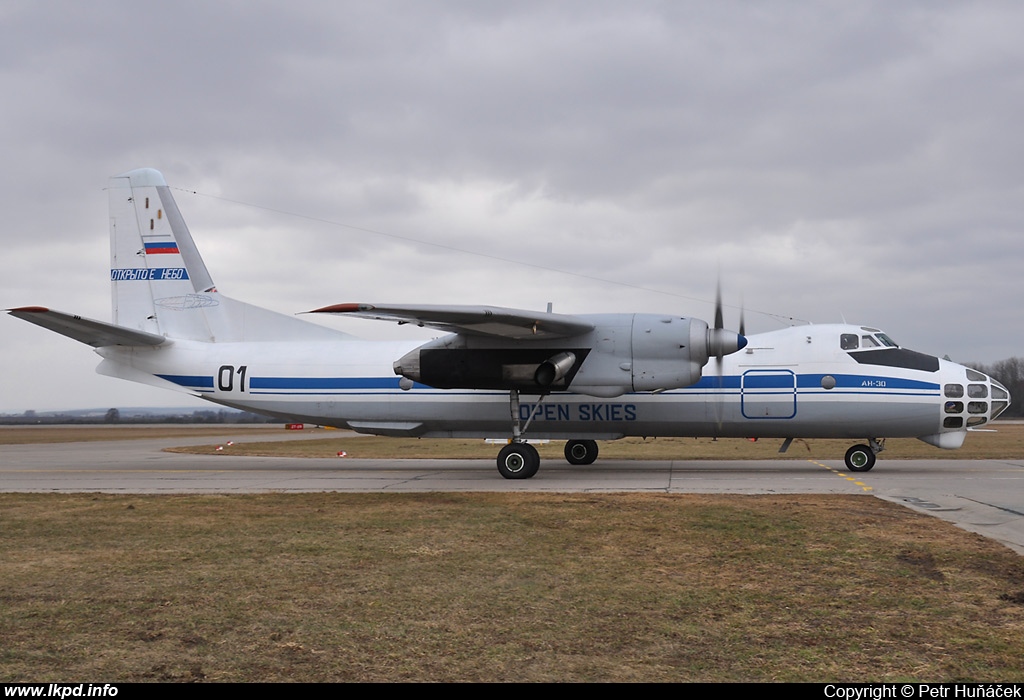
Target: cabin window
{"type": "Point", "coordinates": [954, 407]}
{"type": "Point", "coordinates": [953, 422]}
{"type": "Point", "coordinates": [977, 391]}
{"type": "Point", "coordinates": [977, 407]}
{"type": "Point", "coordinates": [954, 391]}
{"type": "Point", "coordinates": [848, 341]}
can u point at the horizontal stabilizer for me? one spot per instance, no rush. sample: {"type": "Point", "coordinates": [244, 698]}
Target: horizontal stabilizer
{"type": "Point", "coordinates": [95, 333]}
{"type": "Point", "coordinates": [472, 320]}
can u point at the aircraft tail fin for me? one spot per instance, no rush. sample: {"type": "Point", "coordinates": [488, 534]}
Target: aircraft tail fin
{"type": "Point", "coordinates": [159, 282]}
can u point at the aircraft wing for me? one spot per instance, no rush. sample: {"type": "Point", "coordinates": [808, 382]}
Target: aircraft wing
{"type": "Point", "coordinates": [493, 321]}
{"type": "Point", "coordinates": [85, 330]}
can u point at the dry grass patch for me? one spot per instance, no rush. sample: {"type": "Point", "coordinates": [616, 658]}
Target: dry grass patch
{"type": "Point", "coordinates": [499, 587]}
{"type": "Point", "coordinates": [21, 435]}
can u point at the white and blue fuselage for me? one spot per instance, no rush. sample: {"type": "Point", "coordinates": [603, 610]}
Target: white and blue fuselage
{"type": "Point", "coordinates": [506, 371]}
{"type": "Point", "coordinates": [795, 382]}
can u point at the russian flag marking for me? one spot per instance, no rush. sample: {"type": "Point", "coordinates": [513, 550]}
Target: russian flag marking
{"type": "Point", "coordinates": [165, 248]}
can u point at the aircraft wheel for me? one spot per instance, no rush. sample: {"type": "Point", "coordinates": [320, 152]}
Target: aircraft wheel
{"type": "Point", "coordinates": [860, 458]}
{"type": "Point", "coordinates": [581, 451]}
{"type": "Point", "coordinates": [518, 460]}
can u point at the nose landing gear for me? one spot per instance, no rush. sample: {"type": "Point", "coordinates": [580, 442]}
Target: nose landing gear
{"type": "Point", "coordinates": [861, 458]}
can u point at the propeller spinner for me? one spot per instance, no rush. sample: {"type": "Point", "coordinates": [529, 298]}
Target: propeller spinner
{"type": "Point", "coordinates": [720, 341]}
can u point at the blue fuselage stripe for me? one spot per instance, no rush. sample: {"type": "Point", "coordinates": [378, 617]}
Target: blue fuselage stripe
{"type": "Point", "coordinates": [309, 383]}
{"type": "Point", "coordinates": [760, 384]}
{"type": "Point", "coordinates": [191, 381]}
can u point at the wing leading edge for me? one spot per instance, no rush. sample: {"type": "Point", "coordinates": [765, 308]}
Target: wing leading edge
{"type": "Point", "coordinates": [492, 321]}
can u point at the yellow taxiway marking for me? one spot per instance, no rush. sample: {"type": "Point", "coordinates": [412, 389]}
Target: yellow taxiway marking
{"type": "Point", "coordinates": [863, 486]}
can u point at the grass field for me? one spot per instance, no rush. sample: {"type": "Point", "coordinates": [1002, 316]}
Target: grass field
{"type": "Point", "coordinates": [30, 435]}
{"type": "Point", "coordinates": [500, 587]}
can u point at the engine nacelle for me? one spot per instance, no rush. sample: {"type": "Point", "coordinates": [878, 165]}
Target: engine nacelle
{"type": "Point", "coordinates": [649, 352]}
{"type": "Point", "coordinates": [668, 352]}
{"type": "Point", "coordinates": [624, 352]}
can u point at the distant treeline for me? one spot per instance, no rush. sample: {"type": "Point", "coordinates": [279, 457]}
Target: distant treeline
{"type": "Point", "coordinates": [115, 415]}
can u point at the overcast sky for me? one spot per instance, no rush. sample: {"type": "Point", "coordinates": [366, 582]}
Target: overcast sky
{"type": "Point", "coordinates": [830, 160]}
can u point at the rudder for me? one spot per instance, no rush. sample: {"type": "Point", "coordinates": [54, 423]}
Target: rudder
{"type": "Point", "coordinates": [154, 262]}
{"type": "Point", "coordinates": [160, 284]}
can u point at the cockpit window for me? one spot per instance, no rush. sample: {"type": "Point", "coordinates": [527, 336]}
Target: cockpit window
{"type": "Point", "coordinates": [874, 338]}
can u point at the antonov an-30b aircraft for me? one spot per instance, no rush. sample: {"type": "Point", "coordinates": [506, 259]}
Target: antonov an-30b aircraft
{"type": "Point", "coordinates": [581, 378]}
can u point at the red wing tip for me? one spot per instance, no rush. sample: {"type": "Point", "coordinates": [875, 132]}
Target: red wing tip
{"type": "Point", "coordinates": [29, 310]}
{"type": "Point", "coordinates": [341, 309]}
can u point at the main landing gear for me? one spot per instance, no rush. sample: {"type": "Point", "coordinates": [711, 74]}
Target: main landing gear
{"type": "Point", "coordinates": [861, 458]}
{"type": "Point", "coordinates": [581, 451]}
{"type": "Point", "coordinates": [519, 459]}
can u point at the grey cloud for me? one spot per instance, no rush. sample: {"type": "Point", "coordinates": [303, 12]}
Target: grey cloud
{"type": "Point", "coordinates": [841, 158]}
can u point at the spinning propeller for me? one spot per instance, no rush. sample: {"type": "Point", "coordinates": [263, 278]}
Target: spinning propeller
{"type": "Point", "coordinates": [721, 343]}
